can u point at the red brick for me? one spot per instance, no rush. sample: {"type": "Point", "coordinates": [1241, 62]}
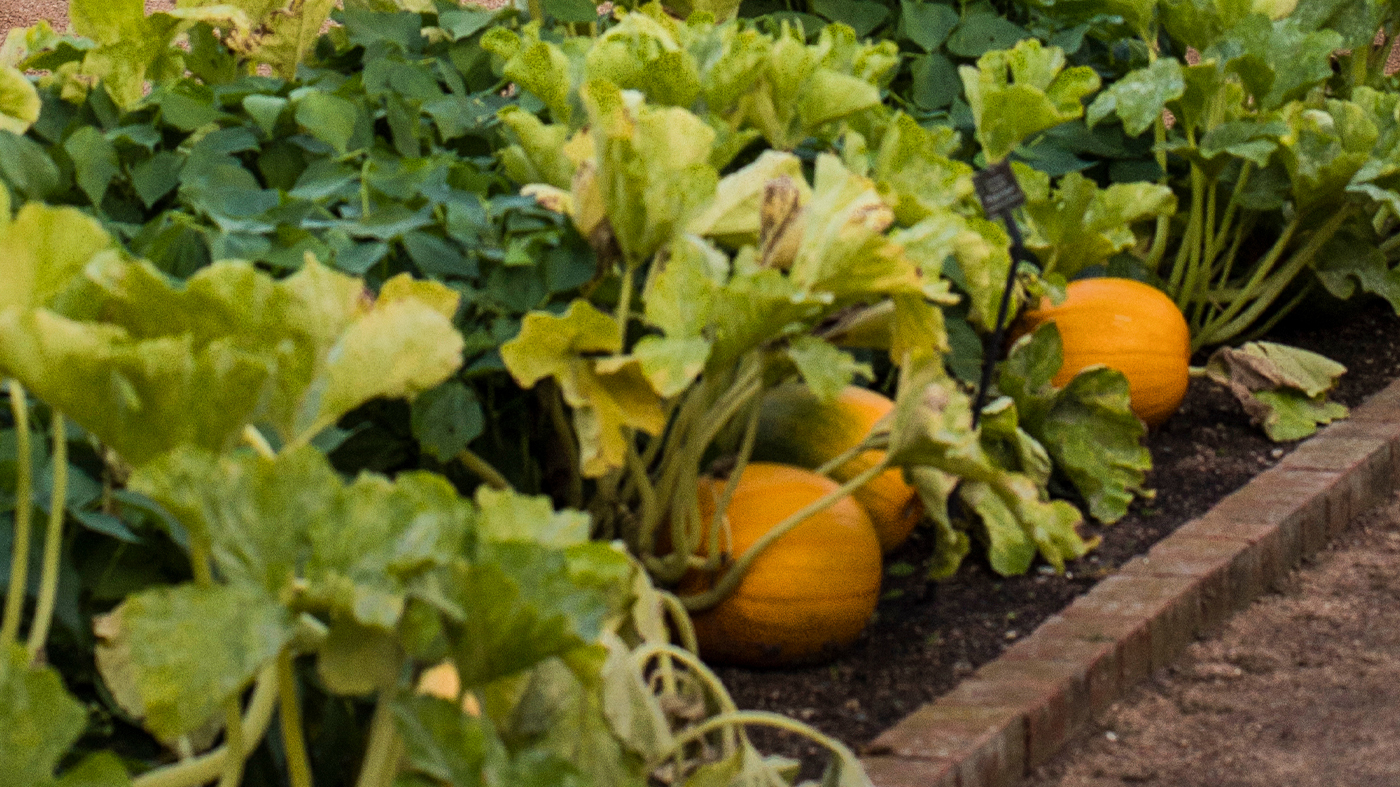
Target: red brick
{"type": "Point", "coordinates": [940, 730]}
{"type": "Point", "coordinates": [1132, 641]}
{"type": "Point", "coordinates": [908, 772]}
{"type": "Point", "coordinates": [1294, 500]}
{"type": "Point", "coordinates": [1367, 469]}
{"type": "Point", "coordinates": [1262, 562]}
{"type": "Point", "coordinates": [1081, 643]}
{"type": "Point", "coordinates": [1168, 605]}
{"type": "Point", "coordinates": [1061, 705]}
{"type": "Point", "coordinates": [1381, 406]}
{"type": "Point", "coordinates": [1209, 561]}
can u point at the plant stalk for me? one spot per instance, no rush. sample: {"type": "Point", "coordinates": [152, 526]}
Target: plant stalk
{"type": "Point", "coordinates": [207, 767]}
{"type": "Point", "coordinates": [482, 469]}
{"type": "Point", "coordinates": [289, 714]}
{"type": "Point", "coordinates": [53, 541]}
{"type": "Point", "coordinates": [24, 512]}
{"type": "Point", "coordinates": [381, 763]}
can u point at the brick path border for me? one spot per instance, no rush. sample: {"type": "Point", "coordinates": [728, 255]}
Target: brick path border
{"type": "Point", "coordinates": [1019, 710]}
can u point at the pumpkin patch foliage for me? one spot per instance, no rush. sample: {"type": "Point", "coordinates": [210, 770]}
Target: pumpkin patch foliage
{"type": "Point", "coordinates": [416, 381]}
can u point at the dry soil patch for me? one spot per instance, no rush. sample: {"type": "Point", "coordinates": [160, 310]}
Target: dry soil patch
{"type": "Point", "coordinates": [1302, 689]}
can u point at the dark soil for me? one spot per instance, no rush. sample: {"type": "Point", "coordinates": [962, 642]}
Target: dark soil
{"type": "Point", "coordinates": [927, 636]}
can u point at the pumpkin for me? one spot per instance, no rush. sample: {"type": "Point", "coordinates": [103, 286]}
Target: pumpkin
{"type": "Point", "coordinates": [443, 682]}
{"type": "Point", "coordinates": [797, 428]}
{"type": "Point", "coordinates": [1124, 325]}
{"type": "Point", "coordinates": [809, 593]}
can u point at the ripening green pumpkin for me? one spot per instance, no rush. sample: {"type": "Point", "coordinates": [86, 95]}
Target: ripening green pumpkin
{"type": "Point", "coordinates": [1125, 325]}
{"type": "Point", "coordinates": [809, 593]}
{"type": "Point", "coordinates": [797, 428]}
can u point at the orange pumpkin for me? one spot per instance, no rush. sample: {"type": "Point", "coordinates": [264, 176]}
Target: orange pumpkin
{"type": "Point", "coordinates": [797, 428]}
{"type": "Point", "coordinates": [809, 593]}
{"type": "Point", "coordinates": [1125, 325]}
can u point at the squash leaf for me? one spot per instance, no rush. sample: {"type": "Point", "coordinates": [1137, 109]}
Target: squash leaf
{"type": "Point", "coordinates": [191, 648]}
{"type": "Point", "coordinates": [39, 720]}
{"type": "Point", "coordinates": [195, 362]}
{"type": "Point", "coordinates": [290, 527]}
{"type": "Point", "coordinates": [609, 395]}
{"type": "Point", "coordinates": [1077, 224]}
{"type": "Point", "coordinates": [1019, 92]}
{"type": "Point", "coordinates": [1087, 427]}
{"type": "Point", "coordinates": [1139, 98]}
{"type": "Point", "coordinates": [19, 101]}
{"type": "Point", "coordinates": [1283, 389]}
{"type": "Point", "coordinates": [933, 427]}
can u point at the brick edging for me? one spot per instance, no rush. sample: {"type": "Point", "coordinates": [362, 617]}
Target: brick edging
{"type": "Point", "coordinates": [1017, 711]}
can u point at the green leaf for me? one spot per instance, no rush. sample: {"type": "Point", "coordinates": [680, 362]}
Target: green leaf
{"type": "Point", "coordinates": [329, 118]}
{"type": "Point", "coordinates": [1293, 415]}
{"type": "Point", "coordinates": [653, 170]}
{"type": "Point", "coordinates": [1326, 147]}
{"type": "Point", "coordinates": [39, 720]}
{"type": "Point", "coordinates": [983, 31]}
{"type": "Point", "coordinates": [645, 54]}
{"type": "Point", "coordinates": [566, 713]}
{"type": "Point", "coordinates": [538, 67]}
{"type": "Point", "coordinates": [915, 165]}
{"type": "Point", "coordinates": [130, 45]}
{"type": "Point", "coordinates": [671, 365]}
{"type": "Point", "coordinates": [1352, 260]}
{"type": "Point", "coordinates": [935, 80]}
{"type": "Point", "coordinates": [843, 249]}
{"type": "Point", "coordinates": [826, 369]}
{"type": "Point", "coordinates": [1139, 98]}
{"type": "Point", "coordinates": [446, 418]}
{"type": "Point", "coordinates": [734, 218]}
{"type": "Point", "coordinates": [862, 15]}
{"type": "Point", "coordinates": [1020, 92]}
{"type": "Point", "coordinates": [42, 250]}
{"type": "Point", "coordinates": [446, 744]}
{"type": "Point", "coordinates": [1282, 388]}
{"type": "Point", "coordinates": [191, 648]}
{"type": "Point", "coordinates": [1079, 225]}
{"type": "Point", "coordinates": [27, 167]}
{"type": "Point", "coordinates": [510, 516]}
{"type": "Point", "coordinates": [195, 363]}
{"type": "Point", "coordinates": [1087, 427]}
{"type": "Point", "coordinates": [104, 769]}
{"type": "Point", "coordinates": [933, 428]}
{"type": "Point", "coordinates": [517, 605]}
{"type": "Point", "coordinates": [951, 544]}
{"type": "Point", "coordinates": [358, 660]}
{"type": "Point", "coordinates": [979, 250]}
{"type": "Point", "coordinates": [19, 101]}
{"type": "Point", "coordinates": [1277, 61]}
{"type": "Point", "coordinates": [95, 162]}
{"type": "Point", "coordinates": [609, 395]}
{"type": "Point", "coordinates": [1009, 549]}
{"type": "Point", "coordinates": [927, 24]}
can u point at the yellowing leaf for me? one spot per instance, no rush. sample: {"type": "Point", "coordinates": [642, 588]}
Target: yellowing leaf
{"type": "Point", "coordinates": [19, 101]}
{"type": "Point", "coordinates": [609, 395]}
{"type": "Point", "coordinates": [42, 250]}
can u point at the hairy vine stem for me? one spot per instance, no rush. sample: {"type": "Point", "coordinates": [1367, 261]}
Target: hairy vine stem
{"type": "Point", "coordinates": [24, 489]}
{"type": "Point", "coordinates": [53, 541]}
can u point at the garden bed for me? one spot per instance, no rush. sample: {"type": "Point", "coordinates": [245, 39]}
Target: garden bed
{"type": "Point", "coordinates": [928, 636]}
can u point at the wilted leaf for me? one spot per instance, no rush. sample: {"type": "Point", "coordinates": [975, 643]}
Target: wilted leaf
{"type": "Point", "coordinates": [1282, 388]}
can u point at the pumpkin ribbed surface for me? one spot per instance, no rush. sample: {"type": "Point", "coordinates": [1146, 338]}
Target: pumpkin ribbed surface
{"type": "Point", "coordinates": [796, 428]}
{"type": "Point", "coordinates": [810, 592]}
{"type": "Point", "coordinates": [1129, 326]}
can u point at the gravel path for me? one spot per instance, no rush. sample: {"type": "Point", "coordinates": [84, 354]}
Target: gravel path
{"type": "Point", "coordinates": [23, 13]}
{"type": "Point", "coordinates": [1300, 690]}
